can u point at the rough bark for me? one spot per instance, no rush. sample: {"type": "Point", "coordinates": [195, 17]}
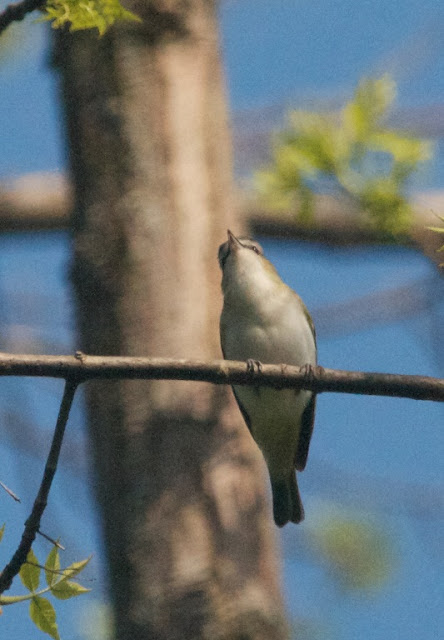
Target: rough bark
{"type": "Point", "coordinates": [187, 530]}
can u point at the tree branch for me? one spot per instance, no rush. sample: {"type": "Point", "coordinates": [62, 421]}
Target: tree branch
{"type": "Point", "coordinates": [81, 368]}
{"type": "Point", "coordinates": [32, 524]}
{"type": "Point", "coordinates": [17, 11]}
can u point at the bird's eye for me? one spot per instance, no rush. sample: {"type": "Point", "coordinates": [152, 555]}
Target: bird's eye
{"type": "Point", "coordinates": [255, 249]}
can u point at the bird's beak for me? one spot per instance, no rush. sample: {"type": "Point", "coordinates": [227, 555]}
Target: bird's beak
{"type": "Point", "coordinates": [233, 243]}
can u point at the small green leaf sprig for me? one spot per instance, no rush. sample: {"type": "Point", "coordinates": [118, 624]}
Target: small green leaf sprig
{"type": "Point", "coordinates": [352, 154]}
{"type": "Point", "coordinates": [86, 14]}
{"type": "Point", "coordinates": [439, 230]}
{"type": "Point", "coordinates": [59, 583]}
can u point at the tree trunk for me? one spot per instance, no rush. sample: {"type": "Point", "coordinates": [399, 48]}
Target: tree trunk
{"type": "Point", "coordinates": [189, 544]}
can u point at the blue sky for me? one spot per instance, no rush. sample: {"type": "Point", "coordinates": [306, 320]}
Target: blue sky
{"type": "Point", "coordinates": [274, 51]}
{"type": "Point", "coordinates": [283, 47]}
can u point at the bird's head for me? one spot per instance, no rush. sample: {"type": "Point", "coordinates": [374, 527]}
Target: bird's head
{"type": "Point", "coordinates": [236, 248]}
{"type": "Point", "coordinates": [244, 265]}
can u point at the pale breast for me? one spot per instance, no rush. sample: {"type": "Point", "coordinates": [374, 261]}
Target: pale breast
{"type": "Point", "coordinates": [281, 337]}
{"type": "Point", "coordinates": [274, 331]}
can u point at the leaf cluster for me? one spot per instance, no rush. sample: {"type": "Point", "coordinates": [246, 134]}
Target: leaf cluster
{"type": "Point", "coordinates": [59, 584]}
{"type": "Point", "coordinates": [439, 230]}
{"type": "Point", "coordinates": [86, 14]}
{"type": "Point", "coordinates": [352, 154]}
{"type": "Point", "coordinates": [357, 553]}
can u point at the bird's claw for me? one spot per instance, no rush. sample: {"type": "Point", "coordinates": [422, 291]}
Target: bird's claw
{"type": "Point", "coordinates": [310, 371]}
{"type": "Point", "coordinates": [254, 366]}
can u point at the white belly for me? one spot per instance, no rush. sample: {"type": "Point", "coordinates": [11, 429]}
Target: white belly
{"type": "Point", "coordinates": [275, 415]}
{"type": "Point", "coordinates": [285, 338]}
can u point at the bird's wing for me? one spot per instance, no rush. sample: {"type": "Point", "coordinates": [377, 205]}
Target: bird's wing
{"type": "Point", "coordinates": [245, 415]}
{"type": "Point", "coordinates": [309, 320]}
{"type": "Point", "coordinates": [307, 424]}
{"type": "Point", "coordinates": [307, 420]}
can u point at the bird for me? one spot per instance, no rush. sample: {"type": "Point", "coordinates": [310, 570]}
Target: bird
{"type": "Point", "coordinates": [264, 321]}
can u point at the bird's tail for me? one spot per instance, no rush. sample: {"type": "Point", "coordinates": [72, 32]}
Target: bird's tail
{"type": "Point", "coordinates": [287, 504]}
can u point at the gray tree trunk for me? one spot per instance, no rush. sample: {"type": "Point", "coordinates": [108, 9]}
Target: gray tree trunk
{"type": "Point", "coordinates": [189, 544]}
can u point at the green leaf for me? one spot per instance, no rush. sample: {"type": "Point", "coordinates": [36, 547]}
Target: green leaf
{"type": "Point", "coordinates": [66, 589]}
{"type": "Point", "coordinates": [2, 531]}
{"type": "Point", "coordinates": [75, 568]}
{"type": "Point", "coordinates": [359, 553]}
{"type": "Point", "coordinates": [87, 14]}
{"type": "Point", "coordinates": [314, 138]}
{"type": "Point", "coordinates": [291, 160]}
{"type": "Point", "coordinates": [306, 205]}
{"type": "Point", "coordinates": [30, 573]}
{"type": "Point", "coordinates": [387, 209]}
{"type": "Point", "coordinates": [407, 152]}
{"type": "Point", "coordinates": [43, 615]}
{"type": "Point", "coordinates": [370, 104]}
{"type": "Point", "coordinates": [437, 229]}
{"type": "Point", "coordinates": [52, 566]}
{"type": "Point", "coordinates": [371, 101]}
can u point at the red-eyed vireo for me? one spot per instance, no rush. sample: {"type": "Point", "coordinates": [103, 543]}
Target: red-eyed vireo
{"type": "Point", "coordinates": [264, 320]}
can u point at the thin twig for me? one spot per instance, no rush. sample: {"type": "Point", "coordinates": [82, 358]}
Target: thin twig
{"type": "Point", "coordinates": [57, 572]}
{"type": "Point", "coordinates": [82, 367]}
{"type": "Point", "coordinates": [17, 11]}
{"type": "Point", "coordinates": [32, 524]}
{"type": "Point", "coordinates": [10, 492]}
{"type": "Point", "coordinates": [56, 543]}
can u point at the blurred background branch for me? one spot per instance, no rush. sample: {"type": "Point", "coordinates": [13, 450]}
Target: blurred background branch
{"type": "Point", "coordinates": [44, 202]}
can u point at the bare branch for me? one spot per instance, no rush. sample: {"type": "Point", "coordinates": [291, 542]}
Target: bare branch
{"type": "Point", "coordinates": [32, 524]}
{"type": "Point", "coordinates": [81, 368]}
{"type": "Point", "coordinates": [56, 543]}
{"type": "Point", "coordinates": [44, 201]}
{"type": "Point", "coordinates": [17, 11]}
{"type": "Point", "coordinates": [10, 492]}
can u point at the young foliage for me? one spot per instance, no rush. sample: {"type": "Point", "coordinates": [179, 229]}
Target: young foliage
{"type": "Point", "coordinates": [86, 14]}
{"type": "Point", "coordinates": [30, 572]}
{"type": "Point", "coordinates": [357, 553]}
{"type": "Point", "coordinates": [59, 585]}
{"type": "Point", "coordinates": [354, 155]}
{"type": "Point", "coordinates": [43, 615]}
{"type": "Point", "coordinates": [439, 230]}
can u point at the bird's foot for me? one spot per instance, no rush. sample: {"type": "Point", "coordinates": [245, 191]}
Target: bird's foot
{"type": "Point", "coordinates": [254, 366]}
{"type": "Point", "coordinates": [311, 372]}
{"type": "Point", "coordinates": [308, 370]}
